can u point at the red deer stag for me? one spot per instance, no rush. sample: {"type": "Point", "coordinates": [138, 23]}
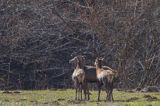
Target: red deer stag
{"type": "Point", "coordinates": [105, 77]}
{"type": "Point", "coordinates": [78, 77]}
{"type": "Point", "coordinates": [90, 74]}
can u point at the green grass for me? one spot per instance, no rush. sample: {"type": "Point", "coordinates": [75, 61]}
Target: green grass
{"type": "Point", "coordinates": [66, 98]}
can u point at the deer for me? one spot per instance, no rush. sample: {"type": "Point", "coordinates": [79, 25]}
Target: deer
{"type": "Point", "coordinates": [90, 74]}
{"type": "Point", "coordinates": [105, 77]}
{"type": "Point", "coordinates": [78, 77]}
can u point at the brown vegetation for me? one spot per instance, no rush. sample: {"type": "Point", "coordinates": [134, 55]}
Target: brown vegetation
{"type": "Point", "coordinates": [37, 38]}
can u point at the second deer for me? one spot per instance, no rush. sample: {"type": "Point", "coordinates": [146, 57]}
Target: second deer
{"type": "Point", "coordinates": [105, 77]}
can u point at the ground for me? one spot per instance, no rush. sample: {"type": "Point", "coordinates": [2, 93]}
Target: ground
{"type": "Point", "coordinates": [66, 98]}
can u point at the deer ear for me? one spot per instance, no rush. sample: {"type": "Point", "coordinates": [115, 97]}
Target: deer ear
{"type": "Point", "coordinates": [101, 58]}
{"type": "Point", "coordinates": [76, 57]}
{"type": "Point", "coordinates": [97, 58]}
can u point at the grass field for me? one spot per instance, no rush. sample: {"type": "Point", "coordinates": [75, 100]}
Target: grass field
{"type": "Point", "coordinates": [66, 98]}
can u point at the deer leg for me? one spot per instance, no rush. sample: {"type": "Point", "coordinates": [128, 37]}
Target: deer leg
{"type": "Point", "coordinates": [111, 95]}
{"type": "Point", "coordinates": [76, 91]}
{"type": "Point", "coordinates": [109, 92]}
{"type": "Point", "coordinates": [76, 94]}
{"type": "Point", "coordinates": [106, 84]}
{"type": "Point", "coordinates": [106, 94]}
{"type": "Point", "coordinates": [86, 94]}
{"type": "Point", "coordinates": [99, 91]}
{"type": "Point", "coordinates": [81, 91]}
{"type": "Point", "coordinates": [87, 91]}
{"type": "Point", "coordinates": [84, 91]}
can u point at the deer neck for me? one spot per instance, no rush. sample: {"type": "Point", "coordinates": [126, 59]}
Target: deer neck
{"type": "Point", "coordinates": [78, 65]}
{"type": "Point", "coordinates": [98, 69]}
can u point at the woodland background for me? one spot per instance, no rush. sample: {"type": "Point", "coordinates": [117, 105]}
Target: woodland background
{"type": "Point", "coordinates": [38, 37]}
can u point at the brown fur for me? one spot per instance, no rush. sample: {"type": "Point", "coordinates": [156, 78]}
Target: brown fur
{"type": "Point", "coordinates": [104, 77]}
{"type": "Point", "coordinates": [90, 74]}
{"type": "Point", "coordinates": [78, 77]}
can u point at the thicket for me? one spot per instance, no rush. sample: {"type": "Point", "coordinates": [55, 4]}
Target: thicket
{"type": "Point", "coordinates": [38, 37]}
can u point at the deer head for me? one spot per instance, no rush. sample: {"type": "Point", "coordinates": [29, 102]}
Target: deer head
{"type": "Point", "coordinates": [78, 60]}
{"type": "Point", "coordinates": [98, 62]}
